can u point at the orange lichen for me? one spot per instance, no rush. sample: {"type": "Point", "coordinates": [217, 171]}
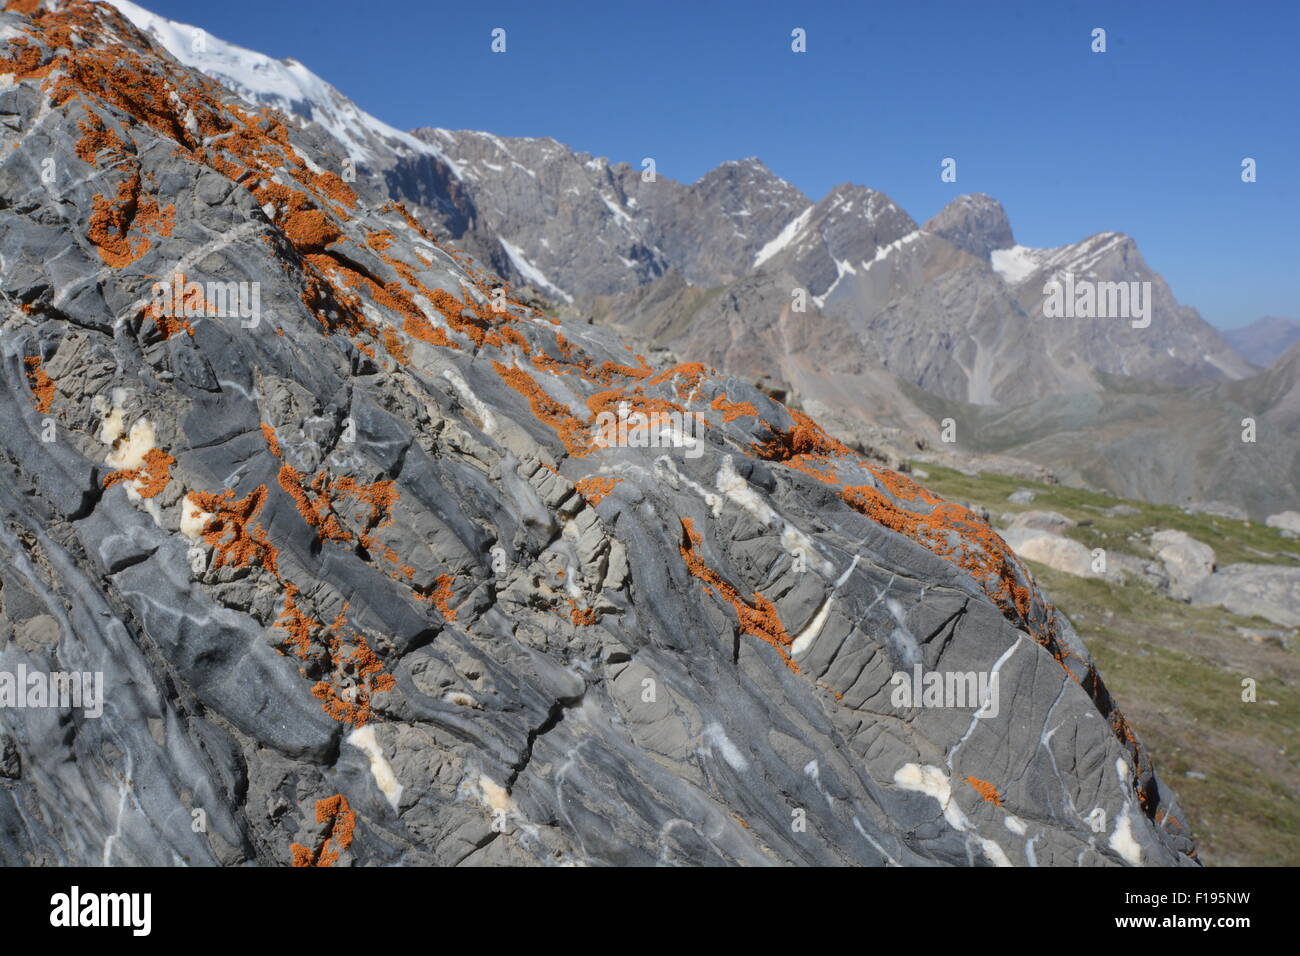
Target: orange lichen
{"type": "Point", "coordinates": [112, 222]}
{"type": "Point", "coordinates": [299, 625]}
{"type": "Point", "coordinates": [43, 388]}
{"type": "Point", "coordinates": [569, 427]}
{"type": "Point", "coordinates": [955, 534]}
{"type": "Point", "coordinates": [395, 347]}
{"type": "Point", "coordinates": [607, 371]}
{"type": "Point", "coordinates": [233, 532]}
{"type": "Point", "coordinates": [985, 790]}
{"type": "Point", "coordinates": [356, 672]}
{"type": "Point", "coordinates": [687, 374]}
{"type": "Point", "coordinates": [805, 437]}
{"type": "Point", "coordinates": [733, 410]}
{"type": "Point", "coordinates": [310, 230]}
{"type": "Point", "coordinates": [903, 487]}
{"type": "Point", "coordinates": [442, 595]}
{"type": "Point", "coordinates": [151, 478]}
{"type": "Point", "coordinates": [167, 323]}
{"type": "Point", "coordinates": [350, 703]}
{"type": "Point", "coordinates": [582, 616]}
{"type": "Point", "coordinates": [759, 619]}
{"type": "Point", "coordinates": [380, 496]}
{"type": "Point", "coordinates": [316, 499]}
{"type": "Point", "coordinates": [379, 240]}
{"type": "Point", "coordinates": [26, 61]}
{"type": "Point", "coordinates": [273, 443]}
{"type": "Point", "coordinates": [314, 503]}
{"type": "Point", "coordinates": [804, 447]}
{"type": "Point", "coordinates": [340, 821]}
{"type": "Point", "coordinates": [418, 327]}
{"type": "Point", "coordinates": [97, 138]}
{"type": "Point", "coordinates": [595, 488]}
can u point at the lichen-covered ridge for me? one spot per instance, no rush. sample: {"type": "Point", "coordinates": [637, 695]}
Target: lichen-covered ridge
{"type": "Point", "coordinates": [370, 569]}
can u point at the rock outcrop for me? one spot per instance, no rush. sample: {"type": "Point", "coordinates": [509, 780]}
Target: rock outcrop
{"type": "Point", "coordinates": [1054, 550]}
{"type": "Point", "coordinates": [384, 567]}
{"type": "Point", "coordinates": [1267, 590]}
{"type": "Point", "coordinates": [1188, 562]}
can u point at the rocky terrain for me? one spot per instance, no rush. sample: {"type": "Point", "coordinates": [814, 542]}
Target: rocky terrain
{"type": "Point", "coordinates": [387, 566]}
{"type": "Point", "coordinates": [1195, 619]}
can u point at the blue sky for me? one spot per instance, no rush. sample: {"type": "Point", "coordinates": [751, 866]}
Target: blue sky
{"type": "Point", "coordinates": [1146, 138]}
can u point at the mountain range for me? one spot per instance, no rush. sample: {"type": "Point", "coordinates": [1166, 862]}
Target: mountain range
{"type": "Point", "coordinates": [900, 322]}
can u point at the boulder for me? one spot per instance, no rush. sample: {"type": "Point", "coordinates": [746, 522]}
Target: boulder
{"type": "Point", "coordinates": [1286, 521]}
{"type": "Point", "coordinates": [1041, 520]}
{"type": "Point", "coordinates": [1268, 590]}
{"type": "Point", "coordinates": [1053, 550]}
{"type": "Point", "coordinates": [1187, 561]}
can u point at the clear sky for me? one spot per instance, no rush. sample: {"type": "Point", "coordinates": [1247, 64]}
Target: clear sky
{"type": "Point", "coordinates": [1146, 138]}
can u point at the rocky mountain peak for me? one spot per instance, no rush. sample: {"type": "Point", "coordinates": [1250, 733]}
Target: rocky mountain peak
{"type": "Point", "coordinates": [975, 223]}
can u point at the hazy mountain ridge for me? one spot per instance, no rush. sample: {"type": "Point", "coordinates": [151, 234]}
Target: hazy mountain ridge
{"type": "Point", "coordinates": [1265, 340]}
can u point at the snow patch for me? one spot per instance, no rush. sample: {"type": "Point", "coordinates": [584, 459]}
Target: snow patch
{"type": "Point", "coordinates": [530, 272]}
{"type": "Point", "coordinates": [784, 237]}
{"type": "Point", "coordinates": [1016, 264]}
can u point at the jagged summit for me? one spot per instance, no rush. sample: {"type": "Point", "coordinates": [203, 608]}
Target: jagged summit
{"type": "Point", "coordinates": [974, 223]}
{"type": "Point", "coordinates": [378, 573]}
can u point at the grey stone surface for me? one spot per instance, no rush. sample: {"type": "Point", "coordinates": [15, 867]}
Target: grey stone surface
{"type": "Point", "coordinates": [1267, 590]}
{"type": "Point", "coordinates": [1286, 521]}
{"type": "Point", "coordinates": [1052, 521]}
{"type": "Point", "coordinates": [1188, 562]}
{"type": "Point", "coordinates": [1051, 549]}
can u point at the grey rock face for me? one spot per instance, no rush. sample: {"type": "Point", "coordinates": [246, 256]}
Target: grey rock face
{"type": "Point", "coordinates": [1177, 347]}
{"type": "Point", "coordinates": [974, 223]}
{"type": "Point", "coordinates": [368, 580]}
{"type": "Point", "coordinates": [1161, 444]}
{"type": "Point", "coordinates": [562, 218]}
{"type": "Point", "coordinates": [710, 231]}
